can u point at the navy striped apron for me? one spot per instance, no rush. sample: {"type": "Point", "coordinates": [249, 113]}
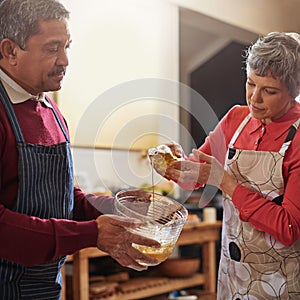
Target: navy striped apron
{"type": "Point", "coordinates": [45, 190]}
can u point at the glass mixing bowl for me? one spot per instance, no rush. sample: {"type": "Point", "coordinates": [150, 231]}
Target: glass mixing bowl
{"type": "Point", "coordinates": [163, 219]}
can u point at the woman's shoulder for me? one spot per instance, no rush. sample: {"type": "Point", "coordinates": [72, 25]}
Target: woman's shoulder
{"type": "Point", "coordinates": [237, 114]}
{"type": "Point", "coordinates": [296, 109]}
{"type": "Point", "coordinates": [239, 110]}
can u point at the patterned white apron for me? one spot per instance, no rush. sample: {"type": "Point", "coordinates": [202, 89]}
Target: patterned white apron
{"type": "Point", "coordinates": [253, 264]}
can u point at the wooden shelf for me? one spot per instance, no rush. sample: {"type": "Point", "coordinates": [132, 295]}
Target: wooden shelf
{"type": "Point", "coordinates": [202, 233]}
{"type": "Point", "coordinates": [157, 287]}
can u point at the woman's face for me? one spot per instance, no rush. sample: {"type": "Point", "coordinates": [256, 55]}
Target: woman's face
{"type": "Point", "coordinates": [267, 97]}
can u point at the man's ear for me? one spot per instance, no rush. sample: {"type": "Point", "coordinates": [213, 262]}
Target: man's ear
{"type": "Point", "coordinates": [9, 50]}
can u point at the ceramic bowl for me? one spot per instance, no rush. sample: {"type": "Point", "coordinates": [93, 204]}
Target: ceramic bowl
{"type": "Point", "coordinates": [179, 267]}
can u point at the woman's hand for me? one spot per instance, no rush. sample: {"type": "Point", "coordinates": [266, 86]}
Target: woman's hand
{"type": "Point", "coordinates": [206, 170]}
{"type": "Point", "coordinates": [163, 155]}
{"type": "Point", "coordinates": [210, 171]}
{"type": "Point", "coordinates": [115, 238]}
{"type": "Point", "coordinates": [176, 149]}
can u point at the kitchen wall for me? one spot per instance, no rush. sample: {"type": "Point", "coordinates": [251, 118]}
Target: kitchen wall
{"type": "Point", "coordinates": [256, 15]}
{"type": "Point", "coordinates": [99, 170]}
{"type": "Point", "coordinates": [110, 170]}
{"type": "Point", "coordinates": [120, 91]}
{"type": "Point", "coordinates": [117, 89]}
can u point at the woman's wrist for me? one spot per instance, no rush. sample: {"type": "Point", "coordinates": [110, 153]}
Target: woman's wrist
{"type": "Point", "coordinates": [228, 184]}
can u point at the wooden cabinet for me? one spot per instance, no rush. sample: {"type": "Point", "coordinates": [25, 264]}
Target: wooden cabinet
{"type": "Point", "coordinates": [202, 233]}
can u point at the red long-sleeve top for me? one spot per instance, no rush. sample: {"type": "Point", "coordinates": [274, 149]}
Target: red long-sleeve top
{"type": "Point", "coordinates": [282, 222]}
{"type": "Point", "coordinates": [30, 240]}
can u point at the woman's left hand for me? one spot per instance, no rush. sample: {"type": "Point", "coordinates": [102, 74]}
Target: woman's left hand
{"type": "Point", "coordinates": [208, 171]}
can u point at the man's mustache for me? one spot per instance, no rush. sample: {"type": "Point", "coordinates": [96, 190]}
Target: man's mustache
{"type": "Point", "coordinates": [58, 71]}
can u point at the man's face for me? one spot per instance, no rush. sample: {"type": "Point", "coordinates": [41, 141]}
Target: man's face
{"type": "Point", "coordinates": [42, 65]}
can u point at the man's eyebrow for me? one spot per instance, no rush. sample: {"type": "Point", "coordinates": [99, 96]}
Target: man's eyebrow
{"type": "Point", "coordinates": [57, 42]}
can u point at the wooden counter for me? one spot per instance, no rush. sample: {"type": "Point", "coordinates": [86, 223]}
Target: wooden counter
{"type": "Point", "coordinates": [200, 233]}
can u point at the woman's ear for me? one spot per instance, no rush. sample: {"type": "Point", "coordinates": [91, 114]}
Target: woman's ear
{"type": "Point", "coordinates": [9, 50]}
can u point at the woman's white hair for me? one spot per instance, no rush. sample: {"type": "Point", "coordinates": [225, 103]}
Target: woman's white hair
{"type": "Point", "coordinates": [277, 54]}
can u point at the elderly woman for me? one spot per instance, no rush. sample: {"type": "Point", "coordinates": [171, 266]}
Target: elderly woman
{"type": "Point", "coordinates": [253, 156]}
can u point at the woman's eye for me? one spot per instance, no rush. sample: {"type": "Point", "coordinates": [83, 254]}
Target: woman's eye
{"type": "Point", "coordinates": [250, 83]}
{"type": "Point", "coordinates": [270, 92]}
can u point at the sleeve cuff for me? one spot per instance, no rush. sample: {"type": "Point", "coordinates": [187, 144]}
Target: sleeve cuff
{"type": "Point", "coordinates": [239, 197]}
{"type": "Point", "coordinates": [78, 236]}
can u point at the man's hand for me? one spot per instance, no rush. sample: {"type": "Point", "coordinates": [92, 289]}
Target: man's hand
{"type": "Point", "coordinates": [115, 239]}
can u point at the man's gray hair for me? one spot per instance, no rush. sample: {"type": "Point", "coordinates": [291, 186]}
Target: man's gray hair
{"type": "Point", "coordinates": [278, 54]}
{"type": "Point", "coordinates": [19, 18]}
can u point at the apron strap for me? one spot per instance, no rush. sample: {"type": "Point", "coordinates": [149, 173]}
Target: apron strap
{"type": "Point", "coordinates": [11, 114]}
{"type": "Point", "coordinates": [289, 138]}
{"type": "Point", "coordinates": [238, 131]}
{"type": "Point", "coordinates": [285, 145]}
{"type": "Point", "coordinates": [58, 119]}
